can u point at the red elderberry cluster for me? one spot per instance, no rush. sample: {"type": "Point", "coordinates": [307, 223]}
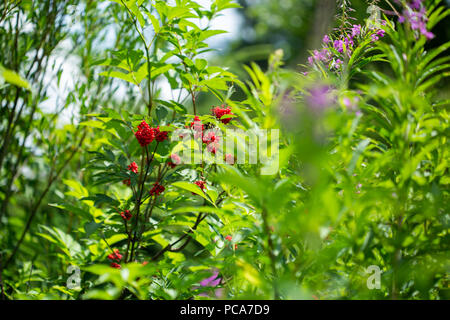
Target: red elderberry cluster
{"type": "Point", "coordinates": [127, 182]}
{"type": "Point", "coordinates": [175, 160]}
{"type": "Point", "coordinates": [211, 148]}
{"type": "Point", "coordinates": [211, 140]}
{"type": "Point", "coordinates": [160, 136]}
{"type": "Point", "coordinates": [219, 112]}
{"type": "Point", "coordinates": [171, 164]}
{"type": "Point", "coordinates": [198, 127]}
{"type": "Point", "coordinates": [145, 135]}
{"type": "Point", "coordinates": [115, 255]}
{"type": "Point", "coordinates": [133, 167]}
{"type": "Point", "coordinates": [210, 137]}
{"type": "Point", "coordinates": [229, 158]}
{"type": "Point", "coordinates": [197, 124]}
{"type": "Point", "coordinates": [115, 265]}
{"type": "Point", "coordinates": [201, 184]}
{"type": "Point", "coordinates": [126, 215]}
{"type": "Point", "coordinates": [157, 189]}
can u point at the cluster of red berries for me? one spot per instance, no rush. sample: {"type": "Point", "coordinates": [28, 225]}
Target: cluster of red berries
{"type": "Point", "coordinates": [211, 140]}
{"type": "Point", "coordinates": [210, 137]}
{"type": "Point", "coordinates": [198, 127]}
{"type": "Point", "coordinates": [229, 238]}
{"type": "Point", "coordinates": [201, 184]}
{"type": "Point", "coordinates": [115, 256]}
{"type": "Point", "coordinates": [160, 136]}
{"type": "Point", "coordinates": [219, 112]}
{"type": "Point", "coordinates": [175, 160]}
{"type": "Point", "coordinates": [126, 215]}
{"type": "Point", "coordinates": [127, 182]}
{"type": "Point", "coordinates": [157, 189]}
{"type": "Point", "coordinates": [133, 167]}
{"type": "Point", "coordinates": [171, 164]}
{"type": "Point", "coordinates": [229, 158]}
{"type": "Point", "coordinates": [145, 134]}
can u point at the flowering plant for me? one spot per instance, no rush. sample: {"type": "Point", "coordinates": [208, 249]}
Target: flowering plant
{"type": "Point", "coordinates": [144, 199]}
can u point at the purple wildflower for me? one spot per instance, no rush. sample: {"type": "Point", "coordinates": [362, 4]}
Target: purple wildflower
{"type": "Point", "coordinates": [326, 39]}
{"type": "Point", "coordinates": [338, 45]}
{"type": "Point", "coordinates": [348, 42]}
{"type": "Point", "coordinates": [415, 14]}
{"type": "Point", "coordinates": [416, 4]}
{"type": "Point", "coordinates": [320, 97]}
{"type": "Point", "coordinates": [323, 55]}
{"type": "Point", "coordinates": [351, 103]}
{"type": "Point", "coordinates": [316, 55]}
{"type": "Point", "coordinates": [356, 30]}
{"type": "Point", "coordinates": [212, 281]}
{"type": "Point", "coordinates": [347, 102]}
{"type": "Point", "coordinates": [336, 64]}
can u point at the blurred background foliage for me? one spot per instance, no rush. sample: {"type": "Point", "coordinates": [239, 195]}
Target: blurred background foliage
{"type": "Point", "coordinates": [57, 46]}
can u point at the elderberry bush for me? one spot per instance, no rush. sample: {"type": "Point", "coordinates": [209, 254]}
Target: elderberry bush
{"type": "Point", "coordinates": [161, 173]}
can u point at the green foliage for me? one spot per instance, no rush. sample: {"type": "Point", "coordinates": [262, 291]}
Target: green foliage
{"type": "Point", "coordinates": [362, 178]}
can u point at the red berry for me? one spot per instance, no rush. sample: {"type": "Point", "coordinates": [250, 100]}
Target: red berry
{"type": "Point", "coordinates": [210, 137]}
{"type": "Point", "coordinates": [229, 238]}
{"type": "Point", "coordinates": [171, 164]}
{"type": "Point", "coordinates": [133, 167]}
{"type": "Point", "coordinates": [157, 189]}
{"type": "Point", "coordinates": [115, 255]}
{"type": "Point", "coordinates": [115, 265]}
{"type": "Point", "coordinates": [212, 148]}
{"type": "Point", "coordinates": [126, 215]}
{"type": "Point", "coordinates": [198, 127]}
{"type": "Point", "coordinates": [160, 136]}
{"type": "Point", "coordinates": [200, 184]}
{"type": "Point", "coordinates": [127, 182]}
{"type": "Point", "coordinates": [220, 112]}
{"type": "Point", "coordinates": [229, 158]}
{"type": "Point", "coordinates": [175, 160]}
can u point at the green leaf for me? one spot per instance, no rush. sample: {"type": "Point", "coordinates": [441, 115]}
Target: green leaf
{"type": "Point", "coordinates": [160, 70]}
{"type": "Point", "coordinates": [65, 241]}
{"type": "Point", "coordinates": [189, 186]}
{"type": "Point", "coordinates": [13, 78]}
{"type": "Point", "coordinates": [78, 190]}
{"type": "Point", "coordinates": [100, 198]}
{"type": "Point", "coordinates": [91, 227]}
{"type": "Point", "coordinates": [120, 75]}
{"type": "Point", "coordinates": [209, 33]}
{"type": "Point", "coordinates": [357, 153]}
{"type": "Point", "coordinates": [155, 22]}
{"type": "Point", "coordinates": [200, 64]}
